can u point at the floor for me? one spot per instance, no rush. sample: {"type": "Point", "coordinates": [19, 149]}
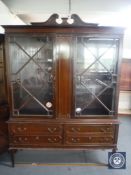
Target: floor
{"type": "Point", "coordinates": [69, 162]}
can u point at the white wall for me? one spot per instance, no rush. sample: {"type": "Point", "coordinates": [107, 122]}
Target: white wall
{"type": "Point", "coordinates": [109, 13]}
{"type": "Point", "coordinates": [8, 18]}
{"type": "Point", "coordinates": [78, 6]}
{"type": "Point", "coordinates": [125, 102]}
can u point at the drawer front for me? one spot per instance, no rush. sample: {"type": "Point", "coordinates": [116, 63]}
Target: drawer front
{"type": "Point", "coordinates": [35, 140]}
{"type": "Point", "coordinates": [46, 129]}
{"type": "Point", "coordinates": [89, 140]}
{"type": "Point", "coordinates": [30, 129]}
{"type": "Point", "coordinates": [84, 128]}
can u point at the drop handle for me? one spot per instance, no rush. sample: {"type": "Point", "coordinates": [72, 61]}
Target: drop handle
{"type": "Point", "coordinates": [20, 139]}
{"type": "Point", "coordinates": [75, 129]}
{"type": "Point", "coordinates": [25, 138]}
{"type": "Point", "coordinates": [37, 137]}
{"type": "Point", "coordinates": [52, 130]}
{"type": "Point", "coordinates": [89, 138]}
{"type": "Point", "coordinates": [52, 140]}
{"type": "Point", "coordinates": [75, 140]}
{"type": "Point", "coordinates": [105, 130]}
{"type": "Point", "coordinates": [106, 139]}
{"type": "Point", "coordinates": [21, 129]}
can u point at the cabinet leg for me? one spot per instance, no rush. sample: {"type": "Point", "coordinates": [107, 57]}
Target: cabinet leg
{"type": "Point", "coordinates": [12, 156]}
{"type": "Point", "coordinates": [114, 149]}
{"type": "Point", "coordinates": [85, 157]}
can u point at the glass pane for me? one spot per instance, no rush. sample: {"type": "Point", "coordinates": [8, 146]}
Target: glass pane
{"type": "Point", "coordinates": [31, 61]}
{"type": "Point", "coordinates": [95, 76]}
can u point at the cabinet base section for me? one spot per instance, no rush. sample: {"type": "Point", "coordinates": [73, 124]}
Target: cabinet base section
{"type": "Point", "coordinates": [76, 135]}
{"type": "Point", "coordinates": [13, 150]}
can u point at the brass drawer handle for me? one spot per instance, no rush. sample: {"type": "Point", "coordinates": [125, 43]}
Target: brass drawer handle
{"type": "Point", "coordinates": [107, 139]}
{"type": "Point", "coordinates": [75, 140]}
{"type": "Point", "coordinates": [89, 138]}
{"type": "Point", "coordinates": [37, 138]}
{"type": "Point", "coordinates": [25, 138]}
{"type": "Point", "coordinates": [22, 139]}
{"type": "Point", "coordinates": [21, 129]}
{"type": "Point", "coordinates": [19, 138]}
{"type": "Point", "coordinates": [108, 129]}
{"type": "Point", "coordinates": [52, 140]}
{"type": "Point", "coordinates": [105, 129]}
{"type": "Point", "coordinates": [13, 131]}
{"type": "Point", "coordinates": [75, 129]}
{"type": "Point", "coordinates": [52, 130]}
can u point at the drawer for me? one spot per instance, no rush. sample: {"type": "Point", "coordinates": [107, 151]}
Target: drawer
{"type": "Point", "coordinates": [35, 140]}
{"type": "Point", "coordinates": [46, 129]}
{"type": "Point", "coordinates": [30, 129]}
{"type": "Point", "coordinates": [85, 128]}
{"type": "Point", "coordinates": [88, 140]}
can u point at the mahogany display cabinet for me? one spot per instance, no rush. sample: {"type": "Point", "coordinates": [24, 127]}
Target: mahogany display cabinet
{"type": "Point", "coordinates": [63, 85]}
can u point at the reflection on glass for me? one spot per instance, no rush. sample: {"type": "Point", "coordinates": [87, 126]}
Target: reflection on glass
{"type": "Point", "coordinates": [31, 61]}
{"type": "Point", "coordinates": [95, 76]}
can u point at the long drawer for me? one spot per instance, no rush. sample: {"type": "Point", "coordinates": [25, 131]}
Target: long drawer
{"type": "Point", "coordinates": [89, 140]}
{"type": "Point", "coordinates": [88, 128]}
{"type": "Point", "coordinates": [35, 140]}
{"type": "Point", "coordinates": [31, 128]}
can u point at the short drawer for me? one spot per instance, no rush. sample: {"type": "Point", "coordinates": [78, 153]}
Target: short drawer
{"type": "Point", "coordinates": [91, 128]}
{"type": "Point", "coordinates": [89, 140]}
{"type": "Point", "coordinates": [30, 128]}
{"type": "Point", "coordinates": [35, 140]}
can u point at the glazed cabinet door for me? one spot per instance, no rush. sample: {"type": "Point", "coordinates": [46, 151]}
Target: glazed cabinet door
{"type": "Point", "coordinates": [95, 76]}
{"type": "Point", "coordinates": [32, 74]}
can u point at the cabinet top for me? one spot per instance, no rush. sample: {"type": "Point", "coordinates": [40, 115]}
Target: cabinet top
{"type": "Point", "coordinates": [52, 26]}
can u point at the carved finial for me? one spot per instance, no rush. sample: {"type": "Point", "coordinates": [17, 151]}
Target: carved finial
{"type": "Point", "coordinates": [52, 21]}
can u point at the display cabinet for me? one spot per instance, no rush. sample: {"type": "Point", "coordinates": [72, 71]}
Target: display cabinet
{"type": "Point", "coordinates": [63, 85]}
{"type": "Point", "coordinates": [4, 111]}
